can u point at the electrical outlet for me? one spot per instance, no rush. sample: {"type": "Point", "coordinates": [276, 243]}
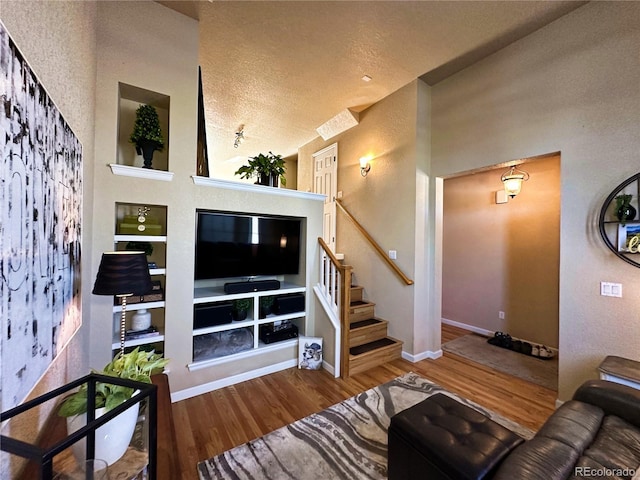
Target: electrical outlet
{"type": "Point", "coordinates": [501, 315]}
{"type": "Point", "coordinates": [393, 254]}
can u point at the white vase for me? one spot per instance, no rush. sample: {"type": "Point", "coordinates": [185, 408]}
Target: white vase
{"type": "Point", "coordinates": [112, 439]}
{"type": "Point", "coordinates": [141, 320]}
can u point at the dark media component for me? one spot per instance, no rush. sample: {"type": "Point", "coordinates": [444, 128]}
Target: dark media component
{"type": "Point", "coordinates": [289, 303]}
{"type": "Point", "coordinates": [271, 333]}
{"type": "Point", "coordinates": [254, 286]}
{"type": "Point", "coordinates": [209, 315]}
{"type": "Point", "coordinates": [241, 245]}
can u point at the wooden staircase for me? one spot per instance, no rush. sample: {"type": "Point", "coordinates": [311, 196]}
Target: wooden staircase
{"type": "Point", "coordinates": [369, 344]}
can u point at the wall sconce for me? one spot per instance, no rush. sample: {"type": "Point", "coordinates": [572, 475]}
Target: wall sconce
{"type": "Point", "coordinates": [239, 137]}
{"type": "Point", "coordinates": [513, 181]}
{"type": "Point", "coordinates": [365, 166]}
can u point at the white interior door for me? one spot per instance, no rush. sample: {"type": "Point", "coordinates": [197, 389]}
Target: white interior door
{"type": "Point", "coordinates": [325, 181]}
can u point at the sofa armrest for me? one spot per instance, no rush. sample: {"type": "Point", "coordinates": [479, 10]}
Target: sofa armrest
{"type": "Point", "coordinates": [614, 398]}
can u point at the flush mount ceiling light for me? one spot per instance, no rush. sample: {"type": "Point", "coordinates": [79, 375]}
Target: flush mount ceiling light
{"type": "Point", "coordinates": [239, 137]}
{"type": "Point", "coordinates": [513, 181]}
{"type": "Point", "coordinates": [338, 124]}
{"type": "Point", "coordinates": [366, 78]}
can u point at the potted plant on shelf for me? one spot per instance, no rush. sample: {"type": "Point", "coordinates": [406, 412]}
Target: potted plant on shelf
{"type": "Point", "coordinates": [146, 134]}
{"type": "Point", "coordinates": [267, 168]}
{"type": "Point", "coordinates": [240, 308]}
{"type": "Point", "coordinates": [266, 306]}
{"type": "Point", "coordinates": [624, 210]}
{"type": "Point", "coordinates": [112, 439]}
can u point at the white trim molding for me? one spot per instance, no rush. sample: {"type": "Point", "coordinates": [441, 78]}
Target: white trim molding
{"type": "Point", "coordinates": [228, 381]}
{"type": "Point", "coordinates": [249, 187]}
{"type": "Point", "coordinates": [148, 173]}
{"type": "Point", "coordinates": [421, 356]}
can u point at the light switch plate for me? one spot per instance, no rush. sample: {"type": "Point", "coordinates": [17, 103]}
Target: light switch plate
{"type": "Point", "coordinates": [609, 289]}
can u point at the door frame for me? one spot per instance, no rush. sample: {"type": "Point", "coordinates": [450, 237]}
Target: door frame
{"type": "Point", "coordinates": [334, 187]}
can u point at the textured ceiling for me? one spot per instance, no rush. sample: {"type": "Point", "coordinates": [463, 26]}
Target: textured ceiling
{"type": "Point", "coordinates": [282, 69]}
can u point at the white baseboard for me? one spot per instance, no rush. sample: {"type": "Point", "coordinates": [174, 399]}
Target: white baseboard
{"type": "Point", "coordinates": [328, 367]}
{"type": "Point", "coordinates": [225, 382]}
{"type": "Point", "coordinates": [421, 356]}
{"type": "Point", "coordinates": [471, 328]}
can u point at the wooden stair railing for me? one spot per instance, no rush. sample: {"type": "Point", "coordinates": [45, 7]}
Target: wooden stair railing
{"type": "Point", "coordinates": [375, 245]}
{"type": "Point", "coordinates": [336, 285]}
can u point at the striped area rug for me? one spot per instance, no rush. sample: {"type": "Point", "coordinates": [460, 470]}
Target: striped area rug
{"type": "Point", "coordinates": [345, 441]}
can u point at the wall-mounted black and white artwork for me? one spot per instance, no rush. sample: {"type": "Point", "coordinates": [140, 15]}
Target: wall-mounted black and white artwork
{"type": "Point", "coordinates": [40, 223]}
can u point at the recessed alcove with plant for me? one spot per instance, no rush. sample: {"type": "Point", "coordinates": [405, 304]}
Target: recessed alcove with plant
{"type": "Point", "coordinates": [130, 99]}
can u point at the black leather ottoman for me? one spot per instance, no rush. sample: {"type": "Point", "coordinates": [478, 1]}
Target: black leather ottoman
{"type": "Point", "coordinates": [440, 438]}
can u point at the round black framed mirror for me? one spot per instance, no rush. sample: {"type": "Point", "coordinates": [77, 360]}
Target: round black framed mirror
{"type": "Point", "coordinates": [619, 223]}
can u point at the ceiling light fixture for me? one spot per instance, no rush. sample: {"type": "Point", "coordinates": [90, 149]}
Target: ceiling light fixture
{"type": "Point", "coordinates": [239, 137]}
{"type": "Point", "coordinates": [366, 78]}
{"type": "Point", "coordinates": [513, 180]}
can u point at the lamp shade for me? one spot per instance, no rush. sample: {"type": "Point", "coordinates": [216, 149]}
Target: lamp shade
{"type": "Point", "coordinates": [123, 273]}
{"type": "Point", "coordinates": [512, 181]}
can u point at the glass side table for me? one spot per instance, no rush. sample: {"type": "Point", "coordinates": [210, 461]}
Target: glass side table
{"type": "Point", "coordinates": [620, 370]}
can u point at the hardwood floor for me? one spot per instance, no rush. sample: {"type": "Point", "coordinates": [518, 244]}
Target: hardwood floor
{"type": "Point", "coordinates": [209, 424]}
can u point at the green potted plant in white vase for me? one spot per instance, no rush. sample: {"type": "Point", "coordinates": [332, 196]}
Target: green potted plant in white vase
{"type": "Point", "coordinates": [113, 438]}
{"type": "Point", "coordinates": [268, 169]}
{"type": "Point", "coordinates": [147, 134]}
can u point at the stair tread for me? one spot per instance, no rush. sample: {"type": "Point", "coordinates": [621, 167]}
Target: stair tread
{"type": "Point", "coordinates": [375, 345]}
{"type": "Point", "coordinates": [360, 303]}
{"type": "Point", "coordinates": [367, 323]}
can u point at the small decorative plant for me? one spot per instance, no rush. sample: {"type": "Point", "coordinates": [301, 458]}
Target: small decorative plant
{"type": "Point", "coordinates": [146, 247]}
{"type": "Point", "coordinates": [623, 200]}
{"type": "Point", "coordinates": [266, 304]}
{"type": "Point", "coordinates": [264, 167]}
{"type": "Point", "coordinates": [240, 308]}
{"type": "Point", "coordinates": [136, 365]}
{"type": "Point", "coordinates": [624, 210]}
{"type": "Point", "coordinates": [147, 134]}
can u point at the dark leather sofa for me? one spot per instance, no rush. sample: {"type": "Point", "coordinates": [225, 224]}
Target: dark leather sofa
{"type": "Point", "coordinates": [594, 435]}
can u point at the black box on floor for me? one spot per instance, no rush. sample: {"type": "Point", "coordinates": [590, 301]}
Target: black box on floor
{"type": "Point", "coordinates": [290, 303]}
{"type": "Point", "coordinates": [271, 333]}
{"type": "Point", "coordinates": [209, 315]}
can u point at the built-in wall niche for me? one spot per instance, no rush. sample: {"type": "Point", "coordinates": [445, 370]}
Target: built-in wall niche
{"type": "Point", "coordinates": [140, 219]}
{"type": "Point", "coordinates": [142, 227]}
{"type": "Point", "coordinates": [129, 99]}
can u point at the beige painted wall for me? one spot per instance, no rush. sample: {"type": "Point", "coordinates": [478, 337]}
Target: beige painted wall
{"type": "Point", "coordinates": [64, 59]}
{"type": "Point", "coordinates": [388, 131]}
{"type": "Point", "coordinates": [165, 60]}
{"type": "Point", "coordinates": [503, 257]}
{"type": "Point", "coordinates": [571, 87]}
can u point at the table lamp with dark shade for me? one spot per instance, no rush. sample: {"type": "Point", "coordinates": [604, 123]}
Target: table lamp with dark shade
{"type": "Point", "coordinates": [123, 274]}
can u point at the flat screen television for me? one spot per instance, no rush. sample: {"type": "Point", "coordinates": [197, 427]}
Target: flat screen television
{"type": "Point", "coordinates": [243, 245]}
